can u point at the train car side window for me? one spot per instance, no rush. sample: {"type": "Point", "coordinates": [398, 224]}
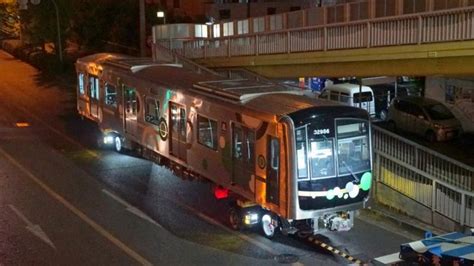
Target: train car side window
{"type": "Point", "coordinates": [152, 111]}
{"type": "Point", "coordinates": [80, 82]}
{"type": "Point", "coordinates": [94, 87]}
{"type": "Point", "coordinates": [238, 148]}
{"type": "Point", "coordinates": [275, 154]}
{"type": "Point", "coordinates": [207, 132]}
{"type": "Point", "coordinates": [301, 153]}
{"type": "Point", "coordinates": [273, 173]}
{"type": "Point", "coordinates": [110, 95]}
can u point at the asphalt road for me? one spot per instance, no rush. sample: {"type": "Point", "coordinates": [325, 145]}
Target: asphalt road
{"type": "Point", "coordinates": [64, 201]}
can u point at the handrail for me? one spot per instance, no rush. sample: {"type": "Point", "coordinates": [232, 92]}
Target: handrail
{"type": "Point", "coordinates": [406, 29]}
{"type": "Point", "coordinates": [355, 22]}
{"type": "Point", "coordinates": [421, 147]}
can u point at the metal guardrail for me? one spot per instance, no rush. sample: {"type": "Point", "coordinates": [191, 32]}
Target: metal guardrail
{"type": "Point", "coordinates": [420, 28]}
{"type": "Point", "coordinates": [438, 182]}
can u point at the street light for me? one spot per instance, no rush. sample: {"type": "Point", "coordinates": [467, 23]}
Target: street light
{"type": "Point", "coordinates": [23, 5]}
{"type": "Point", "coordinates": [210, 21]}
{"type": "Point", "coordinates": [161, 14]}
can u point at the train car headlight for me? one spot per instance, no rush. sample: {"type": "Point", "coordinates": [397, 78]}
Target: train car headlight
{"type": "Point", "coordinates": [251, 218]}
{"type": "Point", "coordinates": [108, 139]}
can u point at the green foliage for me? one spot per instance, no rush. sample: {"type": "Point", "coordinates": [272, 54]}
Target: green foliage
{"type": "Point", "coordinates": [9, 23]}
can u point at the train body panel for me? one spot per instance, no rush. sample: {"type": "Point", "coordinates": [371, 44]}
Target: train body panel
{"type": "Point", "coordinates": [243, 135]}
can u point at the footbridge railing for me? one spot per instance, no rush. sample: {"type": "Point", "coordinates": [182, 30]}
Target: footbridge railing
{"type": "Point", "coordinates": [421, 182]}
{"type": "Point", "coordinates": [415, 29]}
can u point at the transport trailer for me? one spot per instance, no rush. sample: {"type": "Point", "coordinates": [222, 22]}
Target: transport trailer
{"type": "Point", "coordinates": [448, 249]}
{"type": "Point", "coordinates": [286, 161]}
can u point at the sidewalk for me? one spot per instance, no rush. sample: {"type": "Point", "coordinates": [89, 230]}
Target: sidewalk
{"type": "Point", "coordinates": [413, 227]}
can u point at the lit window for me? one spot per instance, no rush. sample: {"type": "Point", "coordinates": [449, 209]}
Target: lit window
{"type": "Point", "coordinates": [228, 29]}
{"type": "Point", "coordinates": [80, 81]}
{"type": "Point", "coordinates": [94, 87]}
{"type": "Point", "coordinates": [207, 132]}
{"type": "Point", "coordinates": [216, 30]}
{"type": "Point", "coordinates": [200, 31]}
{"type": "Point", "coordinates": [242, 26]}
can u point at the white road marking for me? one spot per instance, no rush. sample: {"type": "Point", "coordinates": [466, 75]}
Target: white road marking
{"type": "Point", "coordinates": [218, 224]}
{"type": "Point", "coordinates": [38, 119]}
{"type": "Point", "coordinates": [33, 228]}
{"type": "Point", "coordinates": [130, 252]}
{"type": "Point", "coordinates": [257, 243]}
{"type": "Point", "coordinates": [131, 208]}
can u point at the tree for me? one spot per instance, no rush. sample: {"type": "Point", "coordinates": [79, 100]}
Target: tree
{"type": "Point", "coordinates": [9, 23]}
{"type": "Point", "coordinates": [39, 22]}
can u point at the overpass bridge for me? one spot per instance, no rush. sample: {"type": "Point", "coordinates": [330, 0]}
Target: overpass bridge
{"type": "Point", "coordinates": [419, 44]}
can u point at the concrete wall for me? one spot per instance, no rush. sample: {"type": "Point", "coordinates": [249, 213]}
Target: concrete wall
{"type": "Point", "coordinates": [455, 93]}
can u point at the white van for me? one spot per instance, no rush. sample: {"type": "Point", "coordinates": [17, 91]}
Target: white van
{"type": "Point", "coordinates": [349, 94]}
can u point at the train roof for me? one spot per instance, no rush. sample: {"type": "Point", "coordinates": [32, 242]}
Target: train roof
{"type": "Point", "coordinates": [284, 104]}
{"type": "Point", "coordinates": [255, 93]}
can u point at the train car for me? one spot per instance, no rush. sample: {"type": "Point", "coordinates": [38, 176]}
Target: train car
{"type": "Point", "coordinates": [286, 161]}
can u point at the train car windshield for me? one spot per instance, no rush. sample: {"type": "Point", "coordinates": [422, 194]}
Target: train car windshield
{"type": "Point", "coordinates": [353, 146]}
{"type": "Point", "coordinates": [315, 150]}
{"type": "Point", "coordinates": [332, 148]}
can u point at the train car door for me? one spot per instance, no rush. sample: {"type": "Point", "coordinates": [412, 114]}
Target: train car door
{"type": "Point", "coordinates": [177, 130]}
{"type": "Point", "coordinates": [93, 93]}
{"type": "Point", "coordinates": [131, 106]}
{"type": "Point", "coordinates": [273, 170]}
{"type": "Point", "coordinates": [243, 155]}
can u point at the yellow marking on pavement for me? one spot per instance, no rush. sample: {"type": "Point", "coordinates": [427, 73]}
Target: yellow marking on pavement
{"type": "Point", "coordinates": [130, 252]}
{"type": "Point", "coordinates": [335, 251]}
{"type": "Point", "coordinates": [95, 154]}
{"type": "Point", "coordinates": [22, 124]}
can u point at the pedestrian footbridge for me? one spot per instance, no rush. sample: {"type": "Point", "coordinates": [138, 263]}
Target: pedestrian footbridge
{"type": "Point", "coordinates": [419, 44]}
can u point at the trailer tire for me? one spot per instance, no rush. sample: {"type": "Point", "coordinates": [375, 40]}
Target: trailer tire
{"type": "Point", "coordinates": [235, 218]}
{"type": "Point", "coordinates": [118, 144]}
{"type": "Point", "coordinates": [269, 225]}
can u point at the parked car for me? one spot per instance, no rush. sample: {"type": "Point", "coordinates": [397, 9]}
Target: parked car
{"type": "Point", "coordinates": [352, 95]}
{"type": "Point", "coordinates": [424, 117]}
{"type": "Point", "coordinates": [384, 94]}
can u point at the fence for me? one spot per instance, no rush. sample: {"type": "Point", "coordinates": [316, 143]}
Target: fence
{"type": "Point", "coordinates": [420, 28]}
{"type": "Point", "coordinates": [442, 185]}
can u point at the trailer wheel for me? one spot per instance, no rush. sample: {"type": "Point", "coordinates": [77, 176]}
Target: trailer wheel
{"type": "Point", "coordinates": [269, 225]}
{"type": "Point", "coordinates": [118, 146]}
{"type": "Point", "coordinates": [235, 218]}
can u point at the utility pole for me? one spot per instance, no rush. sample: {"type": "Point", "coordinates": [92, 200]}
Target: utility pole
{"type": "Point", "coordinates": [142, 28]}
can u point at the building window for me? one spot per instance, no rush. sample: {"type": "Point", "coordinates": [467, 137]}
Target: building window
{"type": "Point", "coordinates": [224, 14]}
{"type": "Point", "coordinates": [216, 30]}
{"type": "Point", "coordinates": [228, 29]}
{"type": "Point", "coordinates": [200, 31]}
{"type": "Point", "coordinates": [110, 95]}
{"type": "Point", "coordinates": [80, 82]}
{"type": "Point", "coordinates": [243, 26]}
{"type": "Point", "coordinates": [271, 11]}
{"type": "Point", "coordinates": [152, 111]}
{"type": "Point", "coordinates": [207, 132]}
{"type": "Point", "coordinates": [258, 24]}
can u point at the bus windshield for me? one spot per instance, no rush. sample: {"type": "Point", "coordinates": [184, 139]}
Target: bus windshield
{"type": "Point", "coordinates": [353, 146]}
